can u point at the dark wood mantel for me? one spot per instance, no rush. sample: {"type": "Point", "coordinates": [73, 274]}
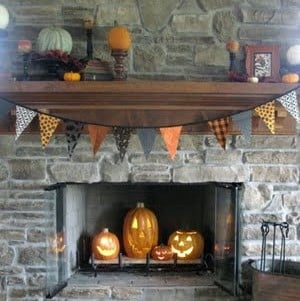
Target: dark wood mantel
{"type": "Point", "coordinates": [140, 103]}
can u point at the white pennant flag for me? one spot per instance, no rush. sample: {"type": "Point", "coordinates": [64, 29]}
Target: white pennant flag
{"type": "Point", "coordinates": [290, 103]}
{"type": "Point", "coordinates": [23, 119]}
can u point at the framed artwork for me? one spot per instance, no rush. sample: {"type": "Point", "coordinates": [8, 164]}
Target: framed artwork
{"type": "Point", "coordinates": [263, 61]}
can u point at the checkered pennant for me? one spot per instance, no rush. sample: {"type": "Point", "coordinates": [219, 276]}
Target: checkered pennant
{"type": "Point", "coordinates": [220, 128]}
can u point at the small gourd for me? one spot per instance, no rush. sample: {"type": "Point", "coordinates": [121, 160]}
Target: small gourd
{"type": "Point", "coordinates": [290, 78]}
{"type": "Point", "coordinates": [119, 38]}
{"type": "Point", "coordinates": [72, 76]}
{"type": "Point", "coordinates": [54, 38]}
{"type": "Point", "coordinates": [162, 253]}
{"type": "Point", "coordinates": [105, 245]}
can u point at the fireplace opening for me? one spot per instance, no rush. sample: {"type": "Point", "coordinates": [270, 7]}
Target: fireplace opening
{"type": "Point", "coordinates": [84, 210]}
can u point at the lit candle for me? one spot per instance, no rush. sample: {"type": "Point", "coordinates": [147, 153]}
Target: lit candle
{"type": "Point", "coordinates": [88, 23]}
{"type": "Point", "coordinates": [24, 46]}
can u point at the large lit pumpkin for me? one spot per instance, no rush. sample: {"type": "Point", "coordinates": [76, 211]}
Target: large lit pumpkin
{"type": "Point", "coordinates": [140, 231]}
{"type": "Point", "coordinates": [105, 245]}
{"type": "Point", "coordinates": [186, 244]}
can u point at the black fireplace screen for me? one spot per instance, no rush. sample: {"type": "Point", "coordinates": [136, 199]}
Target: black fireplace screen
{"type": "Point", "coordinates": [84, 210]}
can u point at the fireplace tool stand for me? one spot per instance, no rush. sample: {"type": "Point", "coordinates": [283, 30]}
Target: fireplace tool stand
{"type": "Point", "coordinates": [265, 229]}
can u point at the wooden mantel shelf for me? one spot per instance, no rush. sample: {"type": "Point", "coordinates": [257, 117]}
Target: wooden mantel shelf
{"type": "Point", "coordinates": [140, 103]}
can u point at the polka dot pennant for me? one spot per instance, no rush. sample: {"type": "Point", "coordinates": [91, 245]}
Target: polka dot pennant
{"type": "Point", "coordinates": [122, 136]}
{"type": "Point", "coordinates": [73, 131]}
{"type": "Point", "coordinates": [48, 125]}
{"type": "Point", "coordinates": [267, 114]}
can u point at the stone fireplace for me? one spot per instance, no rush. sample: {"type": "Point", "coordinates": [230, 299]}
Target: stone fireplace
{"type": "Point", "coordinates": [267, 167]}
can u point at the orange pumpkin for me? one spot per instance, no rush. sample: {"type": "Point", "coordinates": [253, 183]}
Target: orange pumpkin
{"type": "Point", "coordinates": [72, 76]}
{"type": "Point", "coordinates": [105, 245]}
{"type": "Point", "coordinates": [290, 78]}
{"type": "Point", "coordinates": [119, 38]}
{"type": "Point", "coordinates": [162, 253]}
{"type": "Point", "coordinates": [140, 231]}
{"type": "Point", "coordinates": [186, 244]}
{"type": "Point", "coordinates": [232, 46]}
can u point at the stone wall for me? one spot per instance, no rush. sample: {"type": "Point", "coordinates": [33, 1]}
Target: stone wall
{"type": "Point", "coordinates": [178, 39]}
{"type": "Point", "coordinates": [182, 39]}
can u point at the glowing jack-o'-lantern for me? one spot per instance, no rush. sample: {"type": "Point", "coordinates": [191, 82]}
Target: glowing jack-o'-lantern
{"type": "Point", "coordinates": [186, 244]}
{"type": "Point", "coordinates": [140, 231]}
{"type": "Point", "coordinates": [105, 245]}
{"type": "Point", "coordinates": [58, 243]}
{"type": "Point", "coordinates": [162, 253]}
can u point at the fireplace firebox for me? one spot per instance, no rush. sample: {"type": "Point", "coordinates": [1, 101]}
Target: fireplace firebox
{"type": "Point", "coordinates": [84, 210]}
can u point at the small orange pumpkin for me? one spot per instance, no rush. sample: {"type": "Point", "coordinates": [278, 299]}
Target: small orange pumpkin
{"type": "Point", "coordinates": [290, 78]}
{"type": "Point", "coordinates": [105, 245]}
{"type": "Point", "coordinates": [232, 46]}
{"type": "Point", "coordinates": [72, 76]}
{"type": "Point", "coordinates": [162, 253]}
{"type": "Point", "coordinates": [186, 244]}
{"type": "Point", "coordinates": [119, 38]}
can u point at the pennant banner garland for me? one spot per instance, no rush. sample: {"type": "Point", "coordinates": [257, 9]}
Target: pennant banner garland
{"type": "Point", "coordinates": [171, 137]}
{"type": "Point", "coordinates": [48, 125]}
{"type": "Point", "coordinates": [244, 121]}
{"type": "Point", "coordinates": [267, 114]}
{"type": "Point", "coordinates": [122, 136]}
{"type": "Point", "coordinates": [147, 139]}
{"type": "Point", "coordinates": [23, 119]}
{"type": "Point", "coordinates": [73, 131]}
{"type": "Point", "coordinates": [220, 129]}
{"type": "Point", "coordinates": [97, 134]}
{"type": "Point", "coordinates": [290, 103]}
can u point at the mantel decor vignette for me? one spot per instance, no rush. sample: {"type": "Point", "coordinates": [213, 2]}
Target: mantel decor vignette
{"type": "Point", "coordinates": [262, 64]}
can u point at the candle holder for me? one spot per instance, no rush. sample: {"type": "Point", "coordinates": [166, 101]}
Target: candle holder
{"type": "Point", "coordinates": [119, 67]}
{"type": "Point", "coordinates": [25, 66]}
{"type": "Point", "coordinates": [25, 47]}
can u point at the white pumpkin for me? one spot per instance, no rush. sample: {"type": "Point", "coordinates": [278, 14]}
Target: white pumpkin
{"type": "Point", "coordinates": [54, 38]}
{"type": "Point", "coordinates": [293, 55]}
{"type": "Point", "coordinates": [4, 17]}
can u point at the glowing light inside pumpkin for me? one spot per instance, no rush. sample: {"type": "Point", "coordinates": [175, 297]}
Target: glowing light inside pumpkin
{"type": "Point", "coordinates": [107, 246]}
{"type": "Point", "coordinates": [58, 243]}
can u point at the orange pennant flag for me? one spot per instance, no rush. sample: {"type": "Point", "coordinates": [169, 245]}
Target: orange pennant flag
{"type": "Point", "coordinates": [267, 114]}
{"type": "Point", "coordinates": [97, 135]}
{"type": "Point", "coordinates": [220, 128]}
{"type": "Point", "coordinates": [48, 125]}
{"type": "Point", "coordinates": [171, 137]}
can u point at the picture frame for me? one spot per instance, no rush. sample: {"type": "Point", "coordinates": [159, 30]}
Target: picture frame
{"type": "Point", "coordinates": [263, 61]}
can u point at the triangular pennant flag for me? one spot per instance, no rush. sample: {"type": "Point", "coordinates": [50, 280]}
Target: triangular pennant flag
{"type": "Point", "coordinates": [220, 128]}
{"type": "Point", "coordinates": [97, 135]}
{"type": "Point", "coordinates": [48, 125]}
{"type": "Point", "coordinates": [73, 131]}
{"type": "Point", "coordinates": [244, 121]}
{"type": "Point", "coordinates": [5, 106]}
{"type": "Point", "coordinates": [267, 113]}
{"type": "Point", "coordinates": [23, 119]}
{"type": "Point", "coordinates": [147, 139]}
{"type": "Point", "coordinates": [290, 103]}
{"type": "Point", "coordinates": [171, 137]}
{"type": "Point", "coordinates": [122, 136]}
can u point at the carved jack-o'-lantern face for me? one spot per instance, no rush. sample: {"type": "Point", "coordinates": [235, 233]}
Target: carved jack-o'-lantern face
{"type": "Point", "coordinates": [162, 253]}
{"type": "Point", "coordinates": [140, 232]}
{"type": "Point", "coordinates": [105, 245]}
{"type": "Point", "coordinates": [186, 244]}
